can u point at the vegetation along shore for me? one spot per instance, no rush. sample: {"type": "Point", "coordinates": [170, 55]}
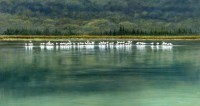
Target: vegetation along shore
{"type": "Point", "coordinates": [42, 37]}
{"type": "Point", "coordinates": [120, 33]}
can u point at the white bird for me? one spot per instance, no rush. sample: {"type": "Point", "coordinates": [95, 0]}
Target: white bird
{"type": "Point", "coordinates": [111, 43]}
{"type": "Point", "coordinates": [92, 43]}
{"type": "Point", "coordinates": [142, 43]}
{"type": "Point", "coordinates": [81, 43]}
{"type": "Point", "coordinates": [127, 43]}
{"type": "Point", "coordinates": [170, 44]}
{"type": "Point", "coordinates": [152, 43]}
{"type": "Point", "coordinates": [164, 43]}
{"type": "Point", "coordinates": [49, 44]}
{"type": "Point", "coordinates": [157, 43]}
{"type": "Point", "coordinates": [30, 44]}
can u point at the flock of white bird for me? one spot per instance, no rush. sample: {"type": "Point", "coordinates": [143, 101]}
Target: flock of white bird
{"type": "Point", "coordinates": [163, 43]}
{"type": "Point", "coordinates": [93, 43]}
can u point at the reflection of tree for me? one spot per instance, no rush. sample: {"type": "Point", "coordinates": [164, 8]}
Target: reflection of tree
{"type": "Point", "coordinates": [84, 69]}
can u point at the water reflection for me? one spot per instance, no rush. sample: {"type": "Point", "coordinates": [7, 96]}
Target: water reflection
{"type": "Point", "coordinates": [49, 47]}
{"type": "Point", "coordinates": [111, 74]}
{"type": "Point", "coordinates": [42, 47]}
{"type": "Point", "coordinates": [80, 46]}
{"type": "Point", "coordinates": [57, 47]}
{"type": "Point", "coordinates": [89, 46]}
{"type": "Point", "coordinates": [119, 47]}
{"type": "Point", "coordinates": [140, 47]}
{"type": "Point", "coordinates": [157, 47]}
{"type": "Point", "coordinates": [29, 48]}
{"type": "Point", "coordinates": [65, 47]}
{"type": "Point", "coordinates": [165, 47]}
{"type": "Point", "coordinates": [102, 47]}
{"type": "Point", "coordinates": [128, 47]}
{"type": "Point", "coordinates": [111, 46]}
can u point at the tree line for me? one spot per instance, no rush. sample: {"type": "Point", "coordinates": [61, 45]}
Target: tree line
{"type": "Point", "coordinates": [125, 31]}
{"type": "Point", "coordinates": [121, 31]}
{"type": "Point", "coordinates": [24, 31]}
{"type": "Point", "coordinates": [86, 16]}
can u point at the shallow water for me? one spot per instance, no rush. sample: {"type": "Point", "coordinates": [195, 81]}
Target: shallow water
{"type": "Point", "coordinates": [100, 75]}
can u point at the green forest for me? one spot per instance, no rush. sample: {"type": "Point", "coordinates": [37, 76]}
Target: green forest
{"type": "Point", "coordinates": [99, 17]}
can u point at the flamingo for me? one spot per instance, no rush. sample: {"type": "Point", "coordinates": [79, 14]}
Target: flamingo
{"type": "Point", "coordinates": [111, 43]}
{"type": "Point", "coordinates": [30, 44]}
{"type": "Point", "coordinates": [93, 42]}
{"type": "Point", "coordinates": [164, 43]}
{"type": "Point", "coordinates": [49, 44]}
{"type": "Point", "coordinates": [170, 44]}
{"type": "Point", "coordinates": [42, 43]}
{"type": "Point", "coordinates": [143, 43]}
{"type": "Point", "coordinates": [129, 41]}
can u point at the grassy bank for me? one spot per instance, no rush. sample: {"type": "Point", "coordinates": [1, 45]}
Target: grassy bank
{"type": "Point", "coordinates": [20, 37]}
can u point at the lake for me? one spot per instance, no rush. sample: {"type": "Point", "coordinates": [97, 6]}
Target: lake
{"type": "Point", "coordinates": [100, 75]}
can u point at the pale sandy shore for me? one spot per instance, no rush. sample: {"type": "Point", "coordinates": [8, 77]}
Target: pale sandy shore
{"type": "Point", "coordinates": [84, 37]}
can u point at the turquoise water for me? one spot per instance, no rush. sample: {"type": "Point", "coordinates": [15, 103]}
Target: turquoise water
{"type": "Point", "coordinates": [99, 75]}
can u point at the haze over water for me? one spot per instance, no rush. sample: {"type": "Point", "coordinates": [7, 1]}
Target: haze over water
{"type": "Point", "coordinates": [100, 75]}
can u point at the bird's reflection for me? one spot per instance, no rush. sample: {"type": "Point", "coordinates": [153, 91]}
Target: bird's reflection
{"type": "Point", "coordinates": [49, 47]}
{"type": "Point", "coordinates": [65, 46]}
{"type": "Point", "coordinates": [157, 47]}
{"type": "Point", "coordinates": [127, 47]}
{"type": "Point", "coordinates": [80, 46]}
{"type": "Point", "coordinates": [29, 48]}
{"type": "Point", "coordinates": [102, 47]}
{"type": "Point", "coordinates": [165, 47]}
{"type": "Point", "coordinates": [119, 46]}
{"type": "Point", "coordinates": [57, 47]}
{"type": "Point", "coordinates": [42, 47]}
{"type": "Point", "coordinates": [140, 47]}
{"type": "Point", "coordinates": [111, 46]}
{"type": "Point", "coordinates": [89, 47]}
{"type": "Point", "coordinates": [153, 47]}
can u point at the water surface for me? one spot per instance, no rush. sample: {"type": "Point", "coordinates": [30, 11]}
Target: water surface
{"type": "Point", "coordinates": [100, 75]}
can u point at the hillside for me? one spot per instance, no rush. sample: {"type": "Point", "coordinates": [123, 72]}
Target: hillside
{"type": "Point", "coordinates": [87, 16]}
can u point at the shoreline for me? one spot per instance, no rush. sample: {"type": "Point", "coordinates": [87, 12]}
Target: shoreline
{"type": "Point", "coordinates": [83, 37]}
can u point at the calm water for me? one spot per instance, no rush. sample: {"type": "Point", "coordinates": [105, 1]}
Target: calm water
{"type": "Point", "coordinates": [100, 75]}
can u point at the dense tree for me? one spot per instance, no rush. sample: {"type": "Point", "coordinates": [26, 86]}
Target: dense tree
{"type": "Point", "coordinates": [86, 16]}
